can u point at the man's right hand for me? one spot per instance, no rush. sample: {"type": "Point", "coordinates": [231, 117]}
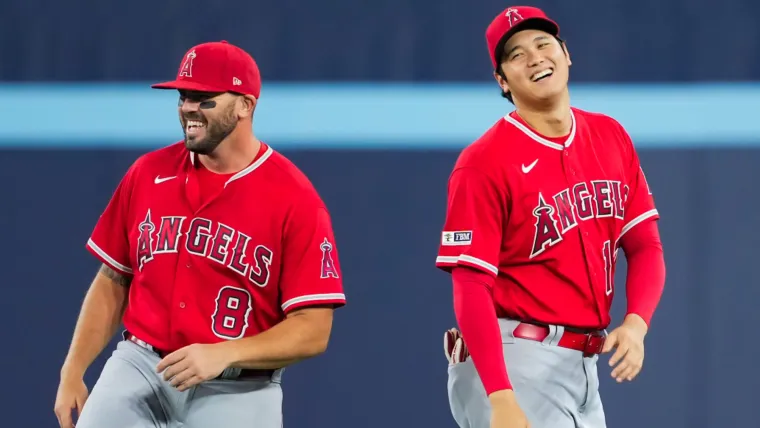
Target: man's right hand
{"type": "Point", "coordinates": [72, 394]}
{"type": "Point", "coordinates": [505, 412]}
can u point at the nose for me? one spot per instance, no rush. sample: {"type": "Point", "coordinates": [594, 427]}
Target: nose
{"type": "Point", "coordinates": [535, 59]}
{"type": "Point", "coordinates": [188, 106]}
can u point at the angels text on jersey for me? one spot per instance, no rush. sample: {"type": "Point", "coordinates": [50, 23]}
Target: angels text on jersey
{"type": "Point", "coordinates": [557, 214]}
{"type": "Point", "coordinates": [218, 242]}
{"type": "Point", "coordinates": [204, 238]}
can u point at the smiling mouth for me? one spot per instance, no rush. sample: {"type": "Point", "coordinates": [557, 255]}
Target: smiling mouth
{"type": "Point", "coordinates": [542, 75]}
{"type": "Point", "coordinates": [192, 126]}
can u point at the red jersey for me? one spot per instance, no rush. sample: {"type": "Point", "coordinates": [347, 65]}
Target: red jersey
{"type": "Point", "coordinates": [223, 265]}
{"type": "Point", "coordinates": [545, 216]}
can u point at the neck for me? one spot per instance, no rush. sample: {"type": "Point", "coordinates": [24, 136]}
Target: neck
{"type": "Point", "coordinates": [551, 120]}
{"type": "Point", "coordinates": [233, 154]}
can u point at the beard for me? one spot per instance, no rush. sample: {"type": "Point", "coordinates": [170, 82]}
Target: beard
{"type": "Point", "coordinates": [215, 133]}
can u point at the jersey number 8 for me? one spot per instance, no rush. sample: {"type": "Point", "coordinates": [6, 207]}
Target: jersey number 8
{"type": "Point", "coordinates": [230, 318]}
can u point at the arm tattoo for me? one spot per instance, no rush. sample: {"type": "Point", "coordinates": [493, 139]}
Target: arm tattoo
{"type": "Point", "coordinates": [115, 276]}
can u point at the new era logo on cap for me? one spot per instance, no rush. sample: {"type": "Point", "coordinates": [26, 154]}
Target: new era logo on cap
{"type": "Point", "coordinates": [512, 20]}
{"type": "Point", "coordinates": [216, 67]}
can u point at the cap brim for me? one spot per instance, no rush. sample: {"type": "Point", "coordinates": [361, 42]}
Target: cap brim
{"type": "Point", "coordinates": [541, 24]}
{"type": "Point", "coordinates": [188, 86]}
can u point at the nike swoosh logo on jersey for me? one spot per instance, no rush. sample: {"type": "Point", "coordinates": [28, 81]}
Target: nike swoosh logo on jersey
{"type": "Point", "coordinates": [526, 169]}
{"type": "Point", "coordinates": [160, 180]}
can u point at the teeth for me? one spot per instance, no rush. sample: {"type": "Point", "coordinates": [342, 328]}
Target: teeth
{"type": "Point", "coordinates": [194, 123]}
{"type": "Point", "coordinates": [541, 74]}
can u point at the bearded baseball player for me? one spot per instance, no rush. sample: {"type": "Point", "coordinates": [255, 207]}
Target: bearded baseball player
{"type": "Point", "coordinates": [219, 256]}
{"type": "Point", "coordinates": [537, 209]}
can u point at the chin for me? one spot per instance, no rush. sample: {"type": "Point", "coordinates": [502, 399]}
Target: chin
{"type": "Point", "coordinates": [196, 146]}
{"type": "Point", "coordinates": [201, 147]}
{"type": "Point", "coordinates": [548, 94]}
{"type": "Point", "coordinates": [190, 144]}
{"type": "Point", "coordinates": [548, 90]}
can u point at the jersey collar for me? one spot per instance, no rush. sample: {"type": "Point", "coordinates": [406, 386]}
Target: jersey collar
{"type": "Point", "coordinates": [541, 140]}
{"type": "Point", "coordinates": [249, 169]}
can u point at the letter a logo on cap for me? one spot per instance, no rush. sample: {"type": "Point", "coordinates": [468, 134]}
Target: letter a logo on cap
{"type": "Point", "coordinates": [187, 67]}
{"type": "Point", "coordinates": [514, 16]}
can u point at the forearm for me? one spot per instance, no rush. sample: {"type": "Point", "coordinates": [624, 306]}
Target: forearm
{"type": "Point", "coordinates": [476, 317]}
{"type": "Point", "coordinates": [645, 278]}
{"type": "Point", "coordinates": [645, 283]}
{"type": "Point", "coordinates": [296, 338]}
{"type": "Point", "coordinates": [98, 320]}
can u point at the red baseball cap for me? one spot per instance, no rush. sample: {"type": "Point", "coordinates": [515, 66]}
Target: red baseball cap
{"type": "Point", "coordinates": [216, 67]}
{"type": "Point", "coordinates": [512, 20]}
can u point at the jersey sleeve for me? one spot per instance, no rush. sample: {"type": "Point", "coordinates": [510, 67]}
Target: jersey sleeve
{"type": "Point", "coordinates": [109, 241]}
{"type": "Point", "coordinates": [311, 272]}
{"type": "Point", "coordinates": [639, 201]}
{"type": "Point", "coordinates": [473, 230]}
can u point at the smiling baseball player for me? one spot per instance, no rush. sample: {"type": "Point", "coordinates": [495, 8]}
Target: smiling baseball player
{"type": "Point", "coordinates": [537, 209]}
{"type": "Point", "coordinates": [221, 257]}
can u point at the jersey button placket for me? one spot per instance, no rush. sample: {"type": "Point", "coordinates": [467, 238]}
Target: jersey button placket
{"type": "Point", "coordinates": [178, 293]}
{"type": "Point", "coordinates": [571, 168]}
{"type": "Point", "coordinates": [568, 167]}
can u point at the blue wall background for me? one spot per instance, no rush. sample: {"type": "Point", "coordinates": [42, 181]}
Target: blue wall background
{"type": "Point", "coordinates": [391, 40]}
{"type": "Point", "coordinates": [373, 101]}
{"type": "Point", "coordinates": [385, 365]}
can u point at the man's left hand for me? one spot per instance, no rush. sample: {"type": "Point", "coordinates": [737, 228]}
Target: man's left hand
{"type": "Point", "coordinates": [193, 364]}
{"type": "Point", "coordinates": [628, 339]}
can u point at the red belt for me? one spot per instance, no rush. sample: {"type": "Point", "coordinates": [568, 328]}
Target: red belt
{"type": "Point", "coordinates": [590, 343]}
{"type": "Point", "coordinates": [244, 373]}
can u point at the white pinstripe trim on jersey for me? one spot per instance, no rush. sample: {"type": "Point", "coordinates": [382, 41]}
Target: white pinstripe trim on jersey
{"type": "Point", "coordinates": [541, 140]}
{"type": "Point", "coordinates": [649, 214]}
{"type": "Point", "coordinates": [252, 166]}
{"type": "Point", "coordinates": [468, 259]}
{"type": "Point", "coordinates": [313, 298]}
{"type": "Point", "coordinates": [245, 171]}
{"type": "Point", "coordinates": [111, 261]}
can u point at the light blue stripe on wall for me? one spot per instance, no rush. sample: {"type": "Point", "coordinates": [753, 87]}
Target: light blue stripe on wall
{"type": "Point", "coordinates": [371, 115]}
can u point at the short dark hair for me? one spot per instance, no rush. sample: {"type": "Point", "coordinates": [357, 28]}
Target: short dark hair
{"type": "Point", "coordinates": [500, 72]}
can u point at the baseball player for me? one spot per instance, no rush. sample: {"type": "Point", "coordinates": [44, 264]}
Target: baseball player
{"type": "Point", "coordinates": [219, 256]}
{"type": "Point", "coordinates": [537, 209]}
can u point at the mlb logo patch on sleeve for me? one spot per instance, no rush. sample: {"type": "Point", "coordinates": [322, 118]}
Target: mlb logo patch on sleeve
{"type": "Point", "coordinates": [461, 237]}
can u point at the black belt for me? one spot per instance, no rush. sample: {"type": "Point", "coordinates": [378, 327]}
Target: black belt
{"type": "Point", "coordinates": [228, 374]}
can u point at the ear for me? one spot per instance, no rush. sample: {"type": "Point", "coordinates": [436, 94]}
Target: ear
{"type": "Point", "coordinates": [249, 105]}
{"type": "Point", "coordinates": [501, 81]}
{"type": "Point", "coordinates": [567, 54]}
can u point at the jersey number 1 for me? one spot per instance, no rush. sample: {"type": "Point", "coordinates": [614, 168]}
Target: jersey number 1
{"type": "Point", "coordinates": [230, 319]}
{"type": "Point", "coordinates": [609, 264]}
